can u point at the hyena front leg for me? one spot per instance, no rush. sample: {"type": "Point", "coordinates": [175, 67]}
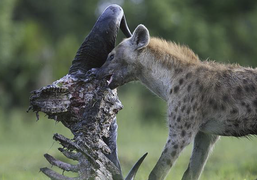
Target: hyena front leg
{"type": "Point", "coordinates": [203, 144]}
{"type": "Point", "coordinates": [178, 139]}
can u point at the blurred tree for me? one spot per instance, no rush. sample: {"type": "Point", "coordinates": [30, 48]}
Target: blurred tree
{"type": "Point", "coordinates": [8, 35]}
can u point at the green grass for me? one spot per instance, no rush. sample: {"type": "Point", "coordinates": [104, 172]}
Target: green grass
{"type": "Point", "coordinates": [23, 141]}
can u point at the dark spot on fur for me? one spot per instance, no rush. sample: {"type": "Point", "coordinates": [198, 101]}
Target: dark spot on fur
{"type": "Point", "coordinates": [183, 108]}
{"type": "Point", "coordinates": [169, 162]}
{"type": "Point", "coordinates": [239, 90]}
{"type": "Point", "coordinates": [173, 154]}
{"type": "Point", "coordinates": [188, 75]}
{"type": "Point", "coordinates": [236, 125]}
{"type": "Point", "coordinates": [176, 109]}
{"type": "Point", "coordinates": [247, 89]}
{"type": "Point", "coordinates": [188, 110]}
{"type": "Point", "coordinates": [197, 82]}
{"type": "Point", "coordinates": [169, 141]}
{"type": "Point", "coordinates": [175, 146]}
{"type": "Point", "coordinates": [201, 88]}
{"type": "Point", "coordinates": [202, 97]}
{"type": "Point", "coordinates": [174, 135]}
{"type": "Point", "coordinates": [203, 69]}
{"type": "Point", "coordinates": [190, 134]}
{"type": "Point", "coordinates": [188, 88]}
{"type": "Point", "coordinates": [187, 125]}
{"type": "Point", "coordinates": [255, 102]}
{"type": "Point", "coordinates": [234, 111]}
{"type": "Point", "coordinates": [192, 99]}
{"type": "Point", "coordinates": [181, 81]}
{"type": "Point", "coordinates": [244, 81]}
{"type": "Point", "coordinates": [183, 133]}
{"type": "Point", "coordinates": [229, 125]}
{"type": "Point", "coordinates": [176, 88]}
{"type": "Point", "coordinates": [224, 74]}
{"type": "Point", "coordinates": [227, 132]}
{"type": "Point", "coordinates": [211, 101]}
{"type": "Point", "coordinates": [252, 88]}
{"type": "Point", "coordinates": [178, 119]}
{"type": "Point", "coordinates": [249, 110]}
{"type": "Point", "coordinates": [179, 103]}
{"type": "Point", "coordinates": [179, 70]}
{"type": "Point", "coordinates": [225, 98]}
{"type": "Point", "coordinates": [215, 106]}
{"type": "Point", "coordinates": [243, 103]}
{"type": "Point", "coordinates": [205, 114]}
{"type": "Point", "coordinates": [195, 106]}
{"type": "Point", "coordinates": [217, 87]}
{"type": "Point", "coordinates": [171, 91]}
{"type": "Point", "coordinates": [223, 107]}
{"type": "Point", "coordinates": [165, 150]}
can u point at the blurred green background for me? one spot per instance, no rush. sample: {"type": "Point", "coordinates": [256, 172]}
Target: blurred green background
{"type": "Point", "coordinates": [38, 40]}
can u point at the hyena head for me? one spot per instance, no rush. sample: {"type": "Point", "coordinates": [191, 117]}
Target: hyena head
{"type": "Point", "coordinates": [122, 64]}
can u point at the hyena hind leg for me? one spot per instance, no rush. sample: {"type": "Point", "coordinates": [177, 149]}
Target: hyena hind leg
{"type": "Point", "coordinates": [203, 144]}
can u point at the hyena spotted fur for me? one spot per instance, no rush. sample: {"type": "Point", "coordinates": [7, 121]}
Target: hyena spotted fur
{"type": "Point", "coordinates": [205, 99]}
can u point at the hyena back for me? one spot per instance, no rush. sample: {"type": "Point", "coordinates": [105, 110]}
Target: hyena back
{"type": "Point", "coordinates": [205, 99]}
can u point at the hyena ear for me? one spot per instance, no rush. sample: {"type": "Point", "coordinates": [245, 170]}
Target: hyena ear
{"type": "Point", "coordinates": [140, 37]}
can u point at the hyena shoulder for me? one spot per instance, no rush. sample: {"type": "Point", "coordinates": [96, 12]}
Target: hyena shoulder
{"type": "Point", "coordinates": [160, 47]}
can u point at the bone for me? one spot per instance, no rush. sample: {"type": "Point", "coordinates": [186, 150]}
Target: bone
{"type": "Point", "coordinates": [69, 155]}
{"type": "Point", "coordinates": [60, 164]}
{"type": "Point", "coordinates": [56, 176]}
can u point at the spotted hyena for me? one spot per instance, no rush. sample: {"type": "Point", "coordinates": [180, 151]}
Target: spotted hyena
{"type": "Point", "coordinates": [205, 99]}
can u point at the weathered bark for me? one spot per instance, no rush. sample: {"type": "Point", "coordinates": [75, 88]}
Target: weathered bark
{"type": "Point", "coordinates": [87, 107]}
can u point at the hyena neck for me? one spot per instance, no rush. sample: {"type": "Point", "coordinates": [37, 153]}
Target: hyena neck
{"type": "Point", "coordinates": [161, 63]}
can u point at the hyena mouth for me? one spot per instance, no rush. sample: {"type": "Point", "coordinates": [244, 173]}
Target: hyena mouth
{"type": "Point", "coordinates": [109, 79]}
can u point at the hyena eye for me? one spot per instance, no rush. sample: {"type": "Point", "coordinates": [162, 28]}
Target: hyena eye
{"type": "Point", "coordinates": [111, 57]}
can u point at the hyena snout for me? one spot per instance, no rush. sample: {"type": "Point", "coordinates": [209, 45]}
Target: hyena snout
{"type": "Point", "coordinates": [115, 77]}
{"type": "Point", "coordinates": [109, 75]}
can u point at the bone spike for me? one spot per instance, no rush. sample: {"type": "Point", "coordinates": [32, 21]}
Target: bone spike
{"type": "Point", "coordinates": [68, 154]}
{"type": "Point", "coordinates": [132, 173]}
{"type": "Point", "coordinates": [86, 151]}
{"type": "Point", "coordinates": [60, 164]}
{"type": "Point", "coordinates": [54, 175]}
